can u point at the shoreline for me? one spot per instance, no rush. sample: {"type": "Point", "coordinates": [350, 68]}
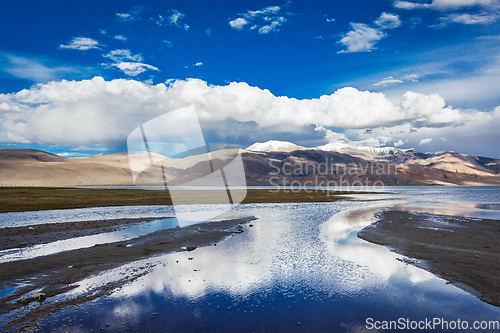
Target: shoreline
{"type": "Point", "coordinates": [463, 251]}
{"type": "Point", "coordinates": [22, 199]}
{"type": "Point", "coordinates": [56, 274]}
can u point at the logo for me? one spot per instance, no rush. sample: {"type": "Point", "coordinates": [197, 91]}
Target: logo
{"type": "Point", "coordinates": [170, 152]}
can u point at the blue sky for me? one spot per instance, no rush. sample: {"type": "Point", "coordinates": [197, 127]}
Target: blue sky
{"type": "Point", "coordinates": [436, 62]}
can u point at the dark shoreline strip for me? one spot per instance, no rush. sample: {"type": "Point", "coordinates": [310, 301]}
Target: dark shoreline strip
{"type": "Point", "coordinates": [21, 199]}
{"type": "Point", "coordinates": [29, 235]}
{"type": "Point", "coordinates": [457, 249]}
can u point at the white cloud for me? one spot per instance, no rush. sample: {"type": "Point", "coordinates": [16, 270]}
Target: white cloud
{"type": "Point", "coordinates": [361, 38]}
{"type": "Point", "coordinates": [486, 11]}
{"type": "Point", "coordinates": [266, 20]}
{"type": "Point", "coordinates": [120, 55]}
{"type": "Point", "coordinates": [208, 31]}
{"type": "Point", "coordinates": [273, 27]}
{"type": "Point", "coordinates": [134, 68]}
{"type": "Point", "coordinates": [98, 111]}
{"type": "Point", "coordinates": [198, 64]}
{"type": "Point", "coordinates": [331, 136]}
{"type": "Point", "coordinates": [160, 21]}
{"type": "Point", "coordinates": [37, 70]}
{"type": "Point", "coordinates": [81, 44]}
{"type": "Point", "coordinates": [132, 15]}
{"type": "Point", "coordinates": [175, 17]}
{"type": "Point", "coordinates": [4, 107]}
{"type": "Point", "coordinates": [399, 143]}
{"type": "Point", "coordinates": [103, 32]}
{"type": "Point", "coordinates": [127, 62]}
{"type": "Point", "coordinates": [413, 77]}
{"type": "Point", "coordinates": [386, 81]}
{"type": "Point", "coordinates": [123, 16]}
{"type": "Point", "coordinates": [445, 4]}
{"type": "Point", "coordinates": [73, 155]}
{"type": "Point", "coordinates": [425, 141]}
{"type": "Point", "coordinates": [328, 19]}
{"type": "Point", "coordinates": [468, 19]}
{"type": "Point", "coordinates": [388, 21]}
{"type": "Point", "coordinates": [169, 43]}
{"type": "Point", "coordinates": [120, 37]}
{"type": "Point", "coordinates": [238, 23]}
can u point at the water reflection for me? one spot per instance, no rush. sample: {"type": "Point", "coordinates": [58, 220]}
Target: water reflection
{"type": "Point", "coordinates": [299, 263]}
{"type": "Point", "coordinates": [125, 234]}
{"type": "Point", "coordinates": [308, 244]}
{"type": "Point", "coordinates": [474, 210]}
{"type": "Point", "coordinates": [339, 234]}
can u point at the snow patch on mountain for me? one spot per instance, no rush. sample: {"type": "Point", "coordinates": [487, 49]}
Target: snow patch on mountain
{"type": "Point", "coordinates": [272, 145]}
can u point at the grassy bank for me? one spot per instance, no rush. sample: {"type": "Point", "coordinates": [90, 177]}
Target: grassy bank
{"type": "Point", "coordinates": [19, 199]}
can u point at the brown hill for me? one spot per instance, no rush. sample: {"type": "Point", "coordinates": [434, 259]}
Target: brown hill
{"type": "Point", "coordinates": [302, 167]}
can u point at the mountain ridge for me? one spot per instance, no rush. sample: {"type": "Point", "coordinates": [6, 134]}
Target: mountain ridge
{"type": "Point", "coordinates": [283, 165]}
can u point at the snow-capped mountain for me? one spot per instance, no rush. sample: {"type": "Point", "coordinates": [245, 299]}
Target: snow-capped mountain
{"type": "Point", "coordinates": [272, 145]}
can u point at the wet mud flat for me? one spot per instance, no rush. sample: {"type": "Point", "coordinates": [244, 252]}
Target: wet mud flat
{"type": "Point", "coordinates": [12, 237]}
{"type": "Point", "coordinates": [464, 251]}
{"type": "Point", "coordinates": [45, 279]}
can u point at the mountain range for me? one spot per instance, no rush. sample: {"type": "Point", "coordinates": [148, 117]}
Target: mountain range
{"type": "Point", "coordinates": [272, 163]}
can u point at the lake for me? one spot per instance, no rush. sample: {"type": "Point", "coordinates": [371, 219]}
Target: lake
{"type": "Point", "coordinates": [299, 268]}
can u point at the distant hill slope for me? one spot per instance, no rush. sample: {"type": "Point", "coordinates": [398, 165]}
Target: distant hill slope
{"type": "Point", "coordinates": [272, 164]}
{"type": "Point", "coordinates": [27, 155]}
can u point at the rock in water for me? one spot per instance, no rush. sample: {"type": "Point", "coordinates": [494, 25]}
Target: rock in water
{"type": "Point", "coordinates": [39, 297]}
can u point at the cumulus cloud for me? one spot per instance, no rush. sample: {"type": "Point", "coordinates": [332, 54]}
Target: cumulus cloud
{"type": "Point", "coordinates": [81, 44]}
{"type": "Point", "coordinates": [472, 136]}
{"type": "Point", "coordinates": [98, 112]}
{"type": "Point", "coordinates": [238, 23]}
{"type": "Point", "coordinates": [265, 20]}
{"type": "Point", "coordinates": [4, 107]}
{"type": "Point", "coordinates": [363, 38]}
{"type": "Point", "coordinates": [274, 26]}
{"type": "Point", "coordinates": [120, 37]}
{"type": "Point", "coordinates": [388, 21]}
{"type": "Point", "coordinates": [398, 143]}
{"type": "Point", "coordinates": [425, 141]}
{"type": "Point", "coordinates": [198, 64]}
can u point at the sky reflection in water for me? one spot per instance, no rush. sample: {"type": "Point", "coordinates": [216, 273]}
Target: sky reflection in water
{"type": "Point", "coordinates": [300, 268]}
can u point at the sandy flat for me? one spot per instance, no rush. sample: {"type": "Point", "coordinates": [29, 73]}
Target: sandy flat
{"type": "Point", "coordinates": [464, 251]}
